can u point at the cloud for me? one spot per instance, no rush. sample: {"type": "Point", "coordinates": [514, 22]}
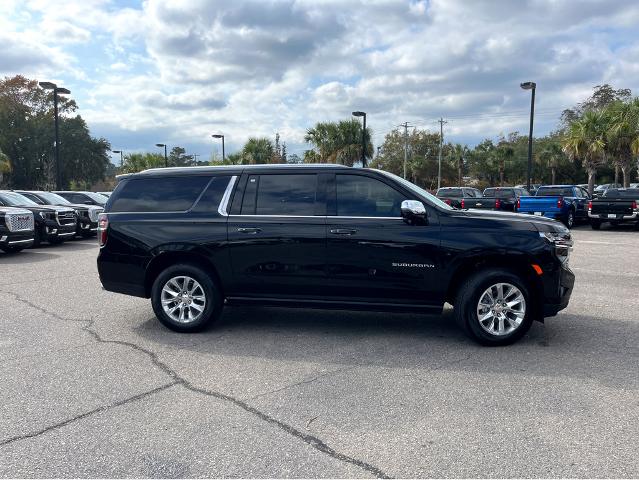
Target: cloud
{"type": "Point", "coordinates": [254, 67]}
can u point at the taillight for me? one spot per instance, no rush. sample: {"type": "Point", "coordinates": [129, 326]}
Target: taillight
{"type": "Point", "coordinates": [634, 204]}
{"type": "Point", "coordinates": [590, 205]}
{"type": "Point", "coordinates": [103, 225]}
{"type": "Point", "coordinates": [560, 202]}
{"type": "Point", "coordinates": [497, 203]}
{"type": "Point", "coordinates": [447, 201]}
{"type": "Point", "coordinates": [518, 204]}
{"type": "Point", "coordinates": [463, 203]}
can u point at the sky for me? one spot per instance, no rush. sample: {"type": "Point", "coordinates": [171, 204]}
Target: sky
{"type": "Point", "coordinates": [177, 71]}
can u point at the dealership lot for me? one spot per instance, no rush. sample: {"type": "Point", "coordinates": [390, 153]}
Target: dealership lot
{"type": "Point", "coordinates": [93, 385]}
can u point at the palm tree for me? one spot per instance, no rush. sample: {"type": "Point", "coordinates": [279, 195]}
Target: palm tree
{"type": "Point", "coordinates": [503, 153]}
{"type": "Point", "coordinates": [457, 154]}
{"type": "Point", "coordinates": [338, 142]}
{"type": "Point", "coordinates": [585, 140]}
{"type": "Point", "coordinates": [5, 165]}
{"type": "Point", "coordinates": [551, 157]}
{"type": "Point", "coordinates": [257, 151]}
{"type": "Point", "coordinates": [623, 135]}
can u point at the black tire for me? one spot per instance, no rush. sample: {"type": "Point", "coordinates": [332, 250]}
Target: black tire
{"type": "Point", "coordinates": [10, 249]}
{"type": "Point", "coordinates": [213, 295]}
{"type": "Point", "coordinates": [87, 234]}
{"type": "Point", "coordinates": [569, 221]}
{"type": "Point", "coordinates": [595, 224]}
{"type": "Point", "coordinates": [468, 297]}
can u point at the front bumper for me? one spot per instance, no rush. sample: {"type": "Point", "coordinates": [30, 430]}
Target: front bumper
{"type": "Point", "coordinates": [85, 225]}
{"type": "Point", "coordinates": [54, 230]}
{"type": "Point", "coordinates": [16, 239]}
{"type": "Point", "coordinates": [558, 292]}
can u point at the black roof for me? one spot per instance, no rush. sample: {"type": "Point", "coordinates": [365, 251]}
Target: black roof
{"type": "Point", "coordinates": [168, 171]}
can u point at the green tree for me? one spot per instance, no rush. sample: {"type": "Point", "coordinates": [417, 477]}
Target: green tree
{"type": "Point", "coordinates": [551, 156]}
{"type": "Point", "coordinates": [177, 158]}
{"type": "Point", "coordinates": [136, 162]}
{"type": "Point", "coordinates": [623, 135]}
{"type": "Point", "coordinates": [5, 166]}
{"type": "Point", "coordinates": [585, 140]}
{"type": "Point", "coordinates": [257, 151]}
{"type": "Point", "coordinates": [339, 142]}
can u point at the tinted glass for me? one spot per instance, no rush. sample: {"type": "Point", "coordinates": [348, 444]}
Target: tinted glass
{"type": "Point", "coordinates": [450, 192]}
{"type": "Point", "coordinates": [12, 199]}
{"type": "Point", "coordinates": [210, 200]}
{"type": "Point", "coordinates": [286, 195]}
{"type": "Point", "coordinates": [166, 194]}
{"type": "Point", "coordinates": [359, 196]}
{"type": "Point", "coordinates": [499, 192]}
{"type": "Point", "coordinates": [53, 198]}
{"type": "Point", "coordinates": [554, 192]}
{"type": "Point", "coordinates": [420, 192]}
{"type": "Point", "coordinates": [614, 193]}
{"type": "Point", "coordinates": [33, 197]}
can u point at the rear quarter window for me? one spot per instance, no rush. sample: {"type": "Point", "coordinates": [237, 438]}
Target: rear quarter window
{"type": "Point", "coordinates": [164, 194]}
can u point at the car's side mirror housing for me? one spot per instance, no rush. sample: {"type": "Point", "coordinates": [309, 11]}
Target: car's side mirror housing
{"type": "Point", "coordinates": [414, 212]}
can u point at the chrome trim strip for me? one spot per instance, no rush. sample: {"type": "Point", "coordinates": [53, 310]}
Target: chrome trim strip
{"type": "Point", "coordinates": [65, 234]}
{"type": "Point", "coordinates": [319, 216]}
{"type": "Point", "coordinates": [20, 241]}
{"type": "Point", "coordinates": [224, 203]}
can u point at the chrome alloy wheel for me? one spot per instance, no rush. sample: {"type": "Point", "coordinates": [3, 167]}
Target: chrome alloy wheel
{"type": "Point", "coordinates": [501, 309]}
{"type": "Point", "coordinates": [183, 299]}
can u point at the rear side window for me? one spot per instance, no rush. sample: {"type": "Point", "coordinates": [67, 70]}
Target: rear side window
{"type": "Point", "coordinates": [450, 192]}
{"type": "Point", "coordinates": [165, 194]}
{"type": "Point", "coordinates": [210, 200]}
{"type": "Point", "coordinates": [284, 194]}
{"type": "Point", "coordinates": [360, 196]}
{"type": "Point", "coordinates": [613, 193]}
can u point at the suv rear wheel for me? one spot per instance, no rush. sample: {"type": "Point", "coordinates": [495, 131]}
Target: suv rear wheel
{"type": "Point", "coordinates": [185, 298]}
{"type": "Point", "coordinates": [493, 307]}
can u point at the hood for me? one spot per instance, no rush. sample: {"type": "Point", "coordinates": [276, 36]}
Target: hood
{"type": "Point", "coordinates": [17, 210]}
{"type": "Point", "coordinates": [541, 224]}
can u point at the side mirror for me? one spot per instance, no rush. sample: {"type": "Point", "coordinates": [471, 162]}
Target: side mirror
{"type": "Point", "coordinates": [88, 202]}
{"type": "Point", "coordinates": [414, 212]}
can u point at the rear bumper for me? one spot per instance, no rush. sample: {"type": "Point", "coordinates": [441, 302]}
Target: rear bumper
{"type": "Point", "coordinates": [558, 292]}
{"type": "Point", "coordinates": [122, 273]}
{"type": "Point", "coordinates": [617, 217]}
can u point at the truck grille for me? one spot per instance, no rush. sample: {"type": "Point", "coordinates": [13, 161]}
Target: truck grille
{"type": "Point", "coordinates": [18, 222]}
{"type": "Point", "coordinates": [94, 212]}
{"type": "Point", "coordinates": [66, 218]}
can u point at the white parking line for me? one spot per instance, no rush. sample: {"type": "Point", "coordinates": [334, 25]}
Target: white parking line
{"type": "Point", "coordinates": [607, 243]}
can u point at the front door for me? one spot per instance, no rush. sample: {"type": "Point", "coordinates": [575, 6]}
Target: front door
{"type": "Point", "coordinates": [277, 239]}
{"type": "Point", "coordinates": [373, 255]}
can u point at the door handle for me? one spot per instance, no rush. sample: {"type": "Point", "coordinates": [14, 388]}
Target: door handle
{"type": "Point", "coordinates": [343, 231]}
{"type": "Point", "coordinates": [251, 230]}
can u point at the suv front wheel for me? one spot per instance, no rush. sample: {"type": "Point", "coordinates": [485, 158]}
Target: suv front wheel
{"type": "Point", "coordinates": [185, 298]}
{"type": "Point", "coordinates": [493, 307]}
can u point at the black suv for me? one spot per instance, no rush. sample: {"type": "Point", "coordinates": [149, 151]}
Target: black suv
{"type": "Point", "coordinates": [87, 215]}
{"type": "Point", "coordinates": [53, 224]}
{"type": "Point", "coordinates": [196, 239]}
{"type": "Point", "coordinates": [16, 229]}
{"type": "Point", "coordinates": [83, 198]}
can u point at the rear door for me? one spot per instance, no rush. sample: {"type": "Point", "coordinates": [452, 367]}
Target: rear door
{"type": "Point", "coordinates": [373, 255]}
{"type": "Point", "coordinates": [277, 236]}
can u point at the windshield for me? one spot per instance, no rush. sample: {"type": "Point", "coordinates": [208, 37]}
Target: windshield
{"type": "Point", "coordinates": [614, 193]}
{"type": "Point", "coordinates": [450, 192]}
{"type": "Point", "coordinates": [499, 192]}
{"type": "Point", "coordinates": [418, 190]}
{"type": "Point", "coordinates": [554, 192]}
{"type": "Point", "coordinates": [97, 197]}
{"type": "Point", "coordinates": [53, 198]}
{"type": "Point", "coordinates": [13, 199]}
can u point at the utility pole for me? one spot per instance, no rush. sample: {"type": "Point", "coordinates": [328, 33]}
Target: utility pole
{"type": "Point", "coordinates": [441, 144]}
{"type": "Point", "coordinates": [195, 155]}
{"type": "Point", "coordinates": [405, 125]}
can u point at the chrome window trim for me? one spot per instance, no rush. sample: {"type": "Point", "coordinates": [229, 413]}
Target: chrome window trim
{"type": "Point", "coordinates": [318, 216]}
{"type": "Point", "coordinates": [224, 203]}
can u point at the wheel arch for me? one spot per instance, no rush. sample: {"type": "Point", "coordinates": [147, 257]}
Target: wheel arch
{"type": "Point", "coordinates": [520, 265]}
{"type": "Point", "coordinates": [164, 259]}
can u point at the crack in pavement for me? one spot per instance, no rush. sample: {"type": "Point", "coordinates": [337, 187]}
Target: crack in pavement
{"type": "Point", "coordinates": [100, 409]}
{"type": "Point", "coordinates": [310, 440]}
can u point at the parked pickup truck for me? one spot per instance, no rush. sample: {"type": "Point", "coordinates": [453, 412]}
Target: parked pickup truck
{"type": "Point", "coordinates": [617, 205]}
{"type": "Point", "coordinates": [566, 203]}
{"type": "Point", "coordinates": [498, 198]}
{"type": "Point", "coordinates": [458, 197]}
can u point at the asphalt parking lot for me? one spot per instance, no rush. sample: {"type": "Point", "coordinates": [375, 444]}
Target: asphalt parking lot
{"type": "Point", "coordinates": [93, 385]}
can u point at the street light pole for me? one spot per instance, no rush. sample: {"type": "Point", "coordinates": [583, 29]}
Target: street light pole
{"type": "Point", "coordinates": [121, 156]}
{"type": "Point", "coordinates": [217, 135]}
{"type": "Point", "coordinates": [56, 151]}
{"type": "Point", "coordinates": [166, 158]}
{"type": "Point", "coordinates": [362, 114]}
{"type": "Point", "coordinates": [530, 86]}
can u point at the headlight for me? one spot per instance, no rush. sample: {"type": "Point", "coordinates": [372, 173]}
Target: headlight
{"type": "Point", "coordinates": [562, 242]}
{"type": "Point", "coordinates": [43, 215]}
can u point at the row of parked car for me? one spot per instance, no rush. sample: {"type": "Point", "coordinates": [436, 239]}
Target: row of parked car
{"type": "Point", "coordinates": [567, 203]}
{"type": "Point", "coordinates": [29, 218]}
